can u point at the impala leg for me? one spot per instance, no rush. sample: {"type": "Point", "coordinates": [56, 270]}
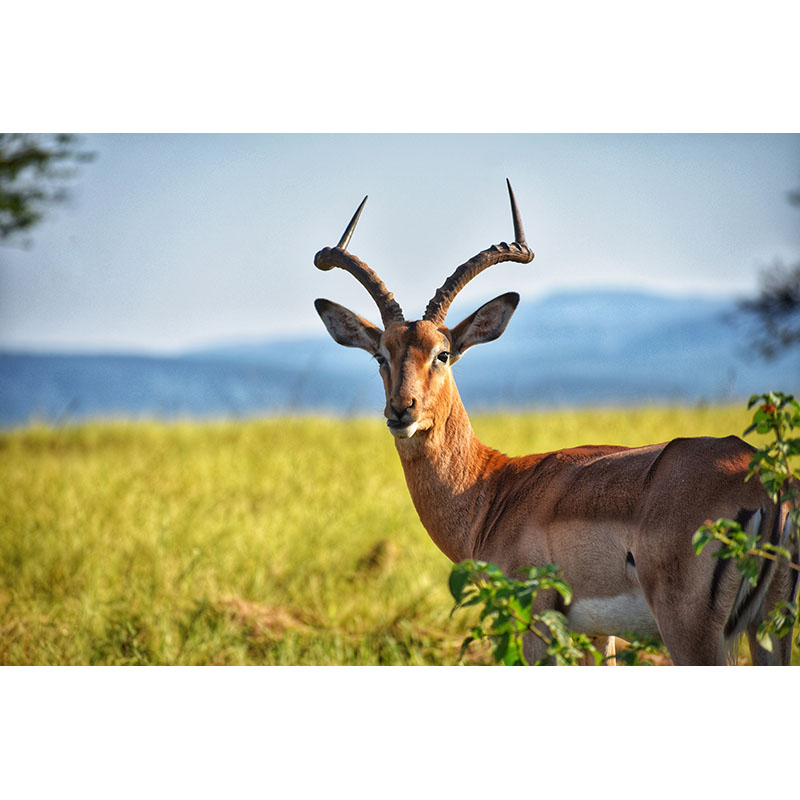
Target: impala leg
{"type": "Point", "coordinates": [783, 587]}
{"type": "Point", "coordinates": [678, 596]}
{"type": "Point", "coordinates": [606, 646]}
{"type": "Point", "coordinates": [781, 650]}
{"type": "Point", "coordinates": [533, 648]}
{"type": "Point", "coordinates": [610, 652]}
{"type": "Point", "coordinates": [692, 636]}
{"type": "Point", "coordinates": [690, 644]}
{"type": "Point", "coordinates": [781, 654]}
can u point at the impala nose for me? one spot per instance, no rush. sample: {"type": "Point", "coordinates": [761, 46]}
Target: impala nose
{"type": "Point", "coordinates": [402, 409]}
{"type": "Point", "coordinates": [401, 422]}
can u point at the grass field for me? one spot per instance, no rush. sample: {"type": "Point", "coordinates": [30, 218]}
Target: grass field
{"type": "Point", "coordinates": [288, 541]}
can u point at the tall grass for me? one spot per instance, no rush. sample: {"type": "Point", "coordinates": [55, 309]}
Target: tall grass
{"type": "Point", "coordinates": [275, 542]}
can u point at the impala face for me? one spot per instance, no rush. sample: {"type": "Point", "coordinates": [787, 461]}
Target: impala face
{"type": "Point", "coordinates": [414, 364]}
{"type": "Point", "coordinates": [415, 357]}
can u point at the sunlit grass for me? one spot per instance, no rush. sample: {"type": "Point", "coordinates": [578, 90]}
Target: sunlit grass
{"type": "Point", "coordinates": [274, 542]}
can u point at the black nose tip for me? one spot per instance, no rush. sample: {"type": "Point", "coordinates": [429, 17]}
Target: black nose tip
{"type": "Point", "coordinates": [400, 412]}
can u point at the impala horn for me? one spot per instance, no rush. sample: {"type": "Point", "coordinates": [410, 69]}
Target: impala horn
{"type": "Point", "coordinates": [330, 257]}
{"type": "Point", "coordinates": [518, 250]}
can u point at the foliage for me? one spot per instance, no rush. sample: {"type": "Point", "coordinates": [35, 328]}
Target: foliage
{"type": "Point", "coordinates": [779, 416]}
{"type": "Point", "coordinates": [775, 311]}
{"type": "Point", "coordinates": [636, 649]}
{"type": "Point", "coordinates": [776, 464]}
{"type": "Point", "coordinates": [507, 613]}
{"type": "Point", "coordinates": [34, 169]}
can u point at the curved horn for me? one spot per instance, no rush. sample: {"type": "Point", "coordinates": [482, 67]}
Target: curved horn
{"type": "Point", "coordinates": [518, 250]}
{"type": "Point", "coordinates": [330, 257]}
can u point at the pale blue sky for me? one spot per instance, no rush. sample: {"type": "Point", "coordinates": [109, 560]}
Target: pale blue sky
{"type": "Point", "coordinates": [173, 241]}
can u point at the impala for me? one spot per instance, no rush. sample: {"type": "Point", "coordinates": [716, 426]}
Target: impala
{"type": "Point", "coordinates": [617, 520]}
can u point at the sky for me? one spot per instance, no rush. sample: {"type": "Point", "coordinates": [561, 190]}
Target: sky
{"type": "Point", "coordinates": [172, 241]}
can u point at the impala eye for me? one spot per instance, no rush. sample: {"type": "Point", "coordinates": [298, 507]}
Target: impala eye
{"type": "Point", "coordinates": [444, 356]}
{"type": "Point", "coordinates": [380, 359]}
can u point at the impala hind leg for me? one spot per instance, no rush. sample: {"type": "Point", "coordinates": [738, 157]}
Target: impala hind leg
{"type": "Point", "coordinates": [692, 635]}
{"type": "Point", "coordinates": [783, 587]}
{"type": "Point", "coordinates": [781, 654]}
{"type": "Point", "coordinates": [694, 644]}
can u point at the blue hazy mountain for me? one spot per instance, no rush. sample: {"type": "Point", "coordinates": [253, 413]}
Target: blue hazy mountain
{"type": "Point", "coordinates": [582, 349]}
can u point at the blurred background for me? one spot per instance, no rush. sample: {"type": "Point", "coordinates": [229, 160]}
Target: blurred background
{"type": "Point", "coordinates": [171, 276]}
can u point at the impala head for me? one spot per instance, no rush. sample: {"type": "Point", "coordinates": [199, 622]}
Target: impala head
{"type": "Point", "coordinates": [415, 358]}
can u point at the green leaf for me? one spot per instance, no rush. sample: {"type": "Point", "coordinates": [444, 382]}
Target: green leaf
{"type": "Point", "coordinates": [459, 578]}
{"type": "Point", "coordinates": [749, 568]}
{"type": "Point", "coordinates": [501, 647]}
{"type": "Point", "coordinates": [514, 656]}
{"type": "Point", "coordinates": [763, 637]}
{"type": "Point", "coordinates": [700, 539]}
{"type": "Point", "coordinates": [525, 598]}
{"type": "Point", "coordinates": [778, 550]}
{"type": "Point", "coordinates": [464, 646]}
{"type": "Point", "coordinates": [564, 589]}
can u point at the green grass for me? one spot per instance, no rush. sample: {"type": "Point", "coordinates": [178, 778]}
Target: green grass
{"type": "Point", "coordinates": [288, 541]}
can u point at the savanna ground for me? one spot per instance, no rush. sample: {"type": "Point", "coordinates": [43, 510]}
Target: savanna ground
{"type": "Point", "coordinates": [287, 541]}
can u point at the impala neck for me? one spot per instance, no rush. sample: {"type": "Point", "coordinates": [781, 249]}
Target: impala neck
{"type": "Point", "coordinates": [446, 469]}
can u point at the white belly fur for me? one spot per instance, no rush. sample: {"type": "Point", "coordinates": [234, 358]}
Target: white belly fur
{"type": "Point", "coordinates": [623, 613]}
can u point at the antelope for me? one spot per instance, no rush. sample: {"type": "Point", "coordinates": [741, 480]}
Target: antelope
{"type": "Point", "coordinates": [618, 521]}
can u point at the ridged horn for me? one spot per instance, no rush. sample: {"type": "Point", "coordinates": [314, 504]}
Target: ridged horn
{"type": "Point", "coordinates": [518, 251]}
{"type": "Point", "coordinates": [330, 257]}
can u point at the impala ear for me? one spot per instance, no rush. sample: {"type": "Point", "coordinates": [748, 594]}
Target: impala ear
{"type": "Point", "coordinates": [348, 328]}
{"type": "Point", "coordinates": [486, 324]}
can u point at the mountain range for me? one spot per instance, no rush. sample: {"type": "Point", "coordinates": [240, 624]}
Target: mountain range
{"type": "Point", "coordinates": [576, 349]}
